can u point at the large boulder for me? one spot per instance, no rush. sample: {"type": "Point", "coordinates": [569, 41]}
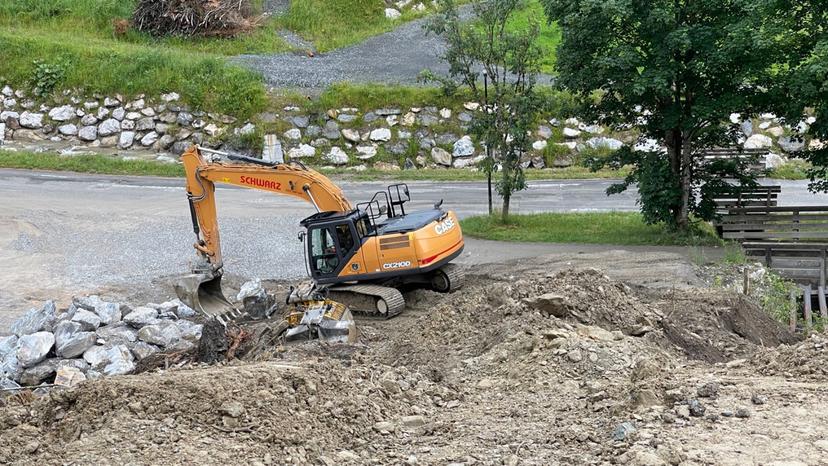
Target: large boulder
{"type": "Point", "coordinates": [162, 334]}
{"type": "Point", "coordinates": [68, 376]}
{"type": "Point", "coordinates": [35, 320]}
{"type": "Point", "coordinates": [380, 135]}
{"type": "Point", "coordinates": [604, 143]}
{"type": "Point", "coordinates": [141, 317]}
{"type": "Point", "coordinates": [88, 133]}
{"type": "Point", "coordinates": [31, 349]}
{"type": "Point", "coordinates": [304, 150]}
{"type": "Point", "coordinates": [790, 145]}
{"type": "Point", "coordinates": [337, 156]}
{"type": "Point", "coordinates": [31, 120]}
{"type": "Point", "coordinates": [143, 349]}
{"type": "Point", "coordinates": [62, 113]}
{"type": "Point", "coordinates": [89, 320]}
{"type": "Point", "coordinates": [118, 360]}
{"type": "Point", "coordinates": [463, 147]}
{"type": "Point", "coordinates": [758, 141]}
{"type": "Point", "coordinates": [7, 345]}
{"type": "Point", "coordinates": [119, 333]}
{"type": "Point", "coordinates": [39, 372]}
{"type": "Point", "coordinates": [71, 341]}
{"type": "Point", "coordinates": [109, 127]}
{"type": "Point", "coordinates": [441, 156]}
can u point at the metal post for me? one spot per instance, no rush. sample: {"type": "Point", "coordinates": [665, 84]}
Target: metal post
{"type": "Point", "coordinates": [488, 149]}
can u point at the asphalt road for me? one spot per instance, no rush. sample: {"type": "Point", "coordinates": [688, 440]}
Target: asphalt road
{"type": "Point", "coordinates": [63, 234]}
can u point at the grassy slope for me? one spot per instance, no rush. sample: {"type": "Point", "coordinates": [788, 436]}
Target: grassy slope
{"type": "Point", "coordinates": [550, 34]}
{"type": "Point", "coordinates": [626, 228]}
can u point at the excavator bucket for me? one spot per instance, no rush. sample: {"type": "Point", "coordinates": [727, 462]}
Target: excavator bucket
{"type": "Point", "coordinates": [202, 292]}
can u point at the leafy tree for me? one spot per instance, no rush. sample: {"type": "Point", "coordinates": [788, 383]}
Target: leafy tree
{"type": "Point", "coordinates": [674, 70]}
{"type": "Point", "coordinates": [802, 84]}
{"type": "Point", "coordinates": [510, 60]}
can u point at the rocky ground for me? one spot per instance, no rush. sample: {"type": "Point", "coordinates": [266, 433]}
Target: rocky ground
{"type": "Point", "coordinates": [569, 367]}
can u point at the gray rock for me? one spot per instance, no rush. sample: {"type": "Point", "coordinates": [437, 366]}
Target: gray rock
{"type": "Point", "coordinates": [119, 333]}
{"type": "Point", "coordinates": [623, 431]}
{"type": "Point", "coordinates": [182, 310]}
{"type": "Point", "coordinates": [126, 139]}
{"type": "Point", "coordinates": [381, 134]}
{"type": "Point", "coordinates": [68, 130]}
{"type": "Point", "coordinates": [747, 128]}
{"type": "Point", "coordinates": [108, 312]}
{"type": "Point", "coordinates": [168, 117]}
{"type": "Point", "coordinates": [189, 330]}
{"type": "Point", "coordinates": [31, 349]}
{"type": "Point", "coordinates": [162, 334]}
{"type": "Point", "coordinates": [300, 121]}
{"type": "Point", "coordinates": [313, 131]}
{"type": "Point", "coordinates": [89, 120]}
{"type": "Point", "coordinates": [111, 102]}
{"type": "Point", "coordinates": [165, 141]}
{"type": "Point", "coordinates": [149, 139]}
{"type": "Point", "coordinates": [233, 409]}
{"type": "Point", "coordinates": [62, 113]}
{"type": "Point", "coordinates": [708, 390]}
{"type": "Point", "coordinates": [370, 117]}
{"type": "Point", "coordinates": [31, 120]}
{"type": "Point", "coordinates": [346, 118]}
{"type": "Point", "coordinates": [143, 349]}
{"type": "Point", "coordinates": [548, 303]}
{"type": "Point", "coordinates": [331, 130]}
{"type": "Point", "coordinates": [758, 141]}
{"type": "Point", "coordinates": [145, 124]}
{"type": "Point", "coordinates": [351, 135]}
{"type": "Point", "coordinates": [696, 409]}
{"type": "Point", "coordinates": [7, 384]}
{"type": "Point", "coordinates": [10, 367]}
{"type": "Point", "coordinates": [162, 128]}
{"type": "Point", "coordinates": [397, 148]}
{"type": "Point", "coordinates": [464, 117]}
{"type": "Point", "coordinates": [71, 341]}
{"type": "Point", "coordinates": [428, 120]}
{"type": "Point", "coordinates": [7, 345]}
{"type": "Point", "coordinates": [119, 113]}
{"type": "Point", "coordinates": [109, 127]}
{"type": "Point", "coordinates": [293, 133]}
{"type": "Point", "coordinates": [128, 125]}
{"type": "Point", "coordinates": [790, 145]}
{"type": "Point", "coordinates": [88, 320]}
{"type": "Point", "coordinates": [604, 143]}
{"type": "Point", "coordinates": [247, 129]}
{"type": "Point", "coordinates": [39, 372]}
{"type": "Point", "coordinates": [95, 356]}
{"type": "Point", "coordinates": [141, 317]}
{"type": "Point", "coordinates": [336, 156]}
{"type": "Point", "coordinates": [441, 156]}
{"type": "Point", "coordinates": [180, 147]}
{"type": "Point", "coordinates": [388, 111]}
{"type": "Point", "coordinates": [464, 147]}
{"type": "Point", "coordinates": [758, 399]}
{"type": "Point", "coordinates": [184, 119]}
{"type": "Point", "coordinates": [544, 132]}
{"type": "Point", "coordinates": [78, 364]}
{"type": "Point", "coordinates": [9, 115]}
{"type": "Point", "coordinates": [68, 376]}
{"type": "Point", "coordinates": [571, 133]}
{"type": "Point", "coordinates": [34, 320]}
{"type": "Point", "coordinates": [88, 133]}
{"type": "Point", "coordinates": [118, 360]}
{"type": "Point", "coordinates": [446, 139]}
{"type": "Point", "coordinates": [742, 413]}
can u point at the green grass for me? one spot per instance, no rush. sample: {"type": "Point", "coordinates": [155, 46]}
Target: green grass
{"type": "Point", "coordinates": [550, 34]}
{"type": "Point", "coordinates": [77, 37]}
{"type": "Point", "coordinates": [100, 164]}
{"type": "Point", "coordinates": [623, 228]}
{"type": "Point", "coordinates": [795, 169]}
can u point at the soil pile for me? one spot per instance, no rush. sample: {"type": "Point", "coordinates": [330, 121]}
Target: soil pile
{"type": "Point", "coordinates": [570, 368]}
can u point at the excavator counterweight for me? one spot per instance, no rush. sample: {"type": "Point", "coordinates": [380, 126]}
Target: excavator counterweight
{"type": "Point", "coordinates": [358, 255]}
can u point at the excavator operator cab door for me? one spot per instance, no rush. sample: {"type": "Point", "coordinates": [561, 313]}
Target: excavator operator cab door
{"type": "Point", "coordinates": [330, 247]}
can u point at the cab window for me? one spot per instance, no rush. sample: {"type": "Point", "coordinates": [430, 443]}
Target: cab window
{"type": "Point", "coordinates": [346, 239]}
{"type": "Point", "coordinates": [323, 251]}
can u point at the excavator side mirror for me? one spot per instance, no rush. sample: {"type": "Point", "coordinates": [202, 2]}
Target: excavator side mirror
{"type": "Point", "coordinates": [301, 236]}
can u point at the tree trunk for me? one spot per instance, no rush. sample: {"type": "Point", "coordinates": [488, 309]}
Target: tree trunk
{"type": "Point", "coordinates": [686, 185]}
{"type": "Point", "coordinates": [504, 214]}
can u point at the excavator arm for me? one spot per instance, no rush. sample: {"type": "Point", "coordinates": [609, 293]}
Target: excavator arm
{"type": "Point", "coordinates": [295, 181]}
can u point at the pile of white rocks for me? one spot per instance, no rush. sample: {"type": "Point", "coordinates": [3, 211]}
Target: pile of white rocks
{"type": "Point", "coordinates": [92, 338]}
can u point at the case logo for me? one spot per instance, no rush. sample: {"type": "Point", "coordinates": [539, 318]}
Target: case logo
{"type": "Point", "coordinates": [444, 226]}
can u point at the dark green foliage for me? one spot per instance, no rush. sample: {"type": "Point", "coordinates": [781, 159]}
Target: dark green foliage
{"type": "Point", "coordinates": [510, 60]}
{"type": "Point", "coordinates": [676, 69]}
{"type": "Point", "coordinates": [46, 77]}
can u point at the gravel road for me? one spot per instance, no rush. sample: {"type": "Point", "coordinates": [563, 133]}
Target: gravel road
{"type": "Point", "coordinates": [396, 57]}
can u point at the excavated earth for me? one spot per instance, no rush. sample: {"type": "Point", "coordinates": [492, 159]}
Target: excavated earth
{"type": "Point", "coordinates": [564, 368]}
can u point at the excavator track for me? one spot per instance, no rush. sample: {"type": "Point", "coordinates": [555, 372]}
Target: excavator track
{"type": "Point", "coordinates": [369, 300]}
{"type": "Point", "coordinates": [448, 278]}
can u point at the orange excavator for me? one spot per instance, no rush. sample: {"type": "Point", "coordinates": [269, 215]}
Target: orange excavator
{"type": "Point", "coordinates": [358, 255]}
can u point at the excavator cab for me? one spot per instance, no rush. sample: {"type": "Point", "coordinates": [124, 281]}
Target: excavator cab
{"type": "Point", "coordinates": [332, 240]}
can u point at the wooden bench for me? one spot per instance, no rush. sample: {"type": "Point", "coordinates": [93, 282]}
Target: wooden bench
{"type": "Point", "coordinates": [803, 263]}
{"type": "Point", "coordinates": [775, 223]}
{"type": "Point", "coordinates": [747, 196]}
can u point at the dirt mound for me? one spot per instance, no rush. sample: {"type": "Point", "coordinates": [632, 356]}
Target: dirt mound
{"type": "Point", "coordinates": [806, 359]}
{"type": "Point", "coordinates": [717, 326]}
{"type": "Point", "coordinates": [222, 414]}
{"type": "Point", "coordinates": [194, 17]}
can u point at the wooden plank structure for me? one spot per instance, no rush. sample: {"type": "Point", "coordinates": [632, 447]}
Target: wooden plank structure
{"type": "Point", "coordinates": [803, 263]}
{"type": "Point", "coordinates": [747, 196]}
{"type": "Point", "coordinates": [776, 223]}
{"type": "Point", "coordinates": [808, 313]}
